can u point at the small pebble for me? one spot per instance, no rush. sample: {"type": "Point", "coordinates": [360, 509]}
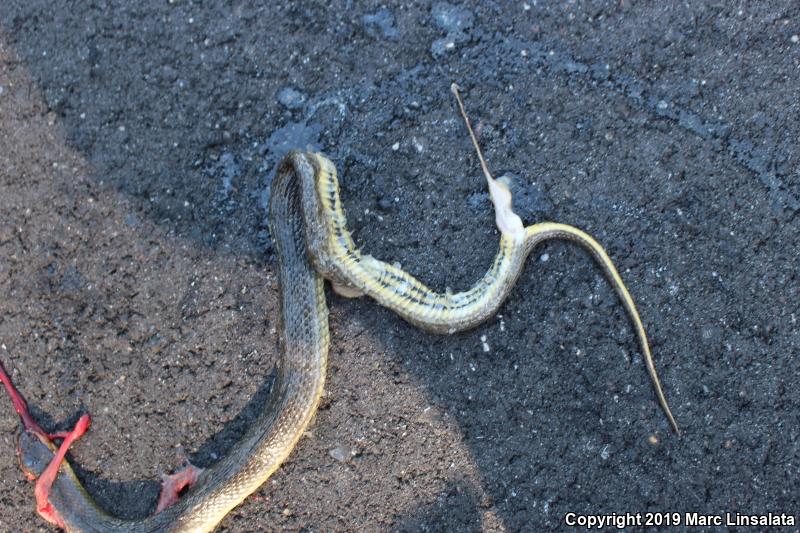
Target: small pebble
{"type": "Point", "coordinates": [341, 453]}
{"type": "Point", "coordinates": [385, 203]}
{"type": "Point", "coordinates": [380, 24]}
{"type": "Point", "coordinates": [795, 39]}
{"type": "Point", "coordinates": [290, 98]}
{"type": "Point", "coordinates": [484, 344]}
{"type": "Point", "coordinates": [454, 20]}
{"type": "Point", "coordinates": [544, 258]}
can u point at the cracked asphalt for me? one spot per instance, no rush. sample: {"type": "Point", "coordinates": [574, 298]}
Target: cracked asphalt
{"type": "Point", "coordinates": [137, 277]}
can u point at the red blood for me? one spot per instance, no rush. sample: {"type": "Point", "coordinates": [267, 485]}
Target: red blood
{"type": "Point", "coordinates": [20, 406]}
{"type": "Point", "coordinates": [48, 475]}
{"type": "Point", "coordinates": [173, 484]}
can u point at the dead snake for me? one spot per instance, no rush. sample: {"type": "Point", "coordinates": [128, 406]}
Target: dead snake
{"type": "Point", "coordinates": [308, 225]}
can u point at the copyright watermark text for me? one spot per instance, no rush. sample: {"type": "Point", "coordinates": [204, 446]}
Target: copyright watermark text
{"type": "Point", "coordinates": [688, 519]}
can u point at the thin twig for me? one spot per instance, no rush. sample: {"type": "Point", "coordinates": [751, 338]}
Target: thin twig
{"type": "Point", "coordinates": [454, 88]}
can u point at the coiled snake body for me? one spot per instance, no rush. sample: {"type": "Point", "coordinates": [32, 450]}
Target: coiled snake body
{"type": "Point", "coordinates": [309, 227]}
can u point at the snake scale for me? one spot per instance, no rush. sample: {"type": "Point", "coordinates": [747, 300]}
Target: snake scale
{"type": "Point", "coordinates": [308, 224]}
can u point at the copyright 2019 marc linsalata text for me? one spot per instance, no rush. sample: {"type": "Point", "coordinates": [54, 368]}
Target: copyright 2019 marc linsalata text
{"type": "Point", "coordinates": [688, 519]}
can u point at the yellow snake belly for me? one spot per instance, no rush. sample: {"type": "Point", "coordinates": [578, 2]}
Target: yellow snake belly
{"type": "Point", "coordinates": [308, 225]}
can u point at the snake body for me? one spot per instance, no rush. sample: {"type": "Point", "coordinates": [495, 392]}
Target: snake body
{"type": "Point", "coordinates": [308, 225]}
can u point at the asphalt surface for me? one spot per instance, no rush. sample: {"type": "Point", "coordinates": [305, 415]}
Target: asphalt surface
{"type": "Point", "coordinates": [137, 277]}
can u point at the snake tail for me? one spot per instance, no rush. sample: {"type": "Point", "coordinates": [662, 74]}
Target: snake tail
{"type": "Point", "coordinates": [552, 230]}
